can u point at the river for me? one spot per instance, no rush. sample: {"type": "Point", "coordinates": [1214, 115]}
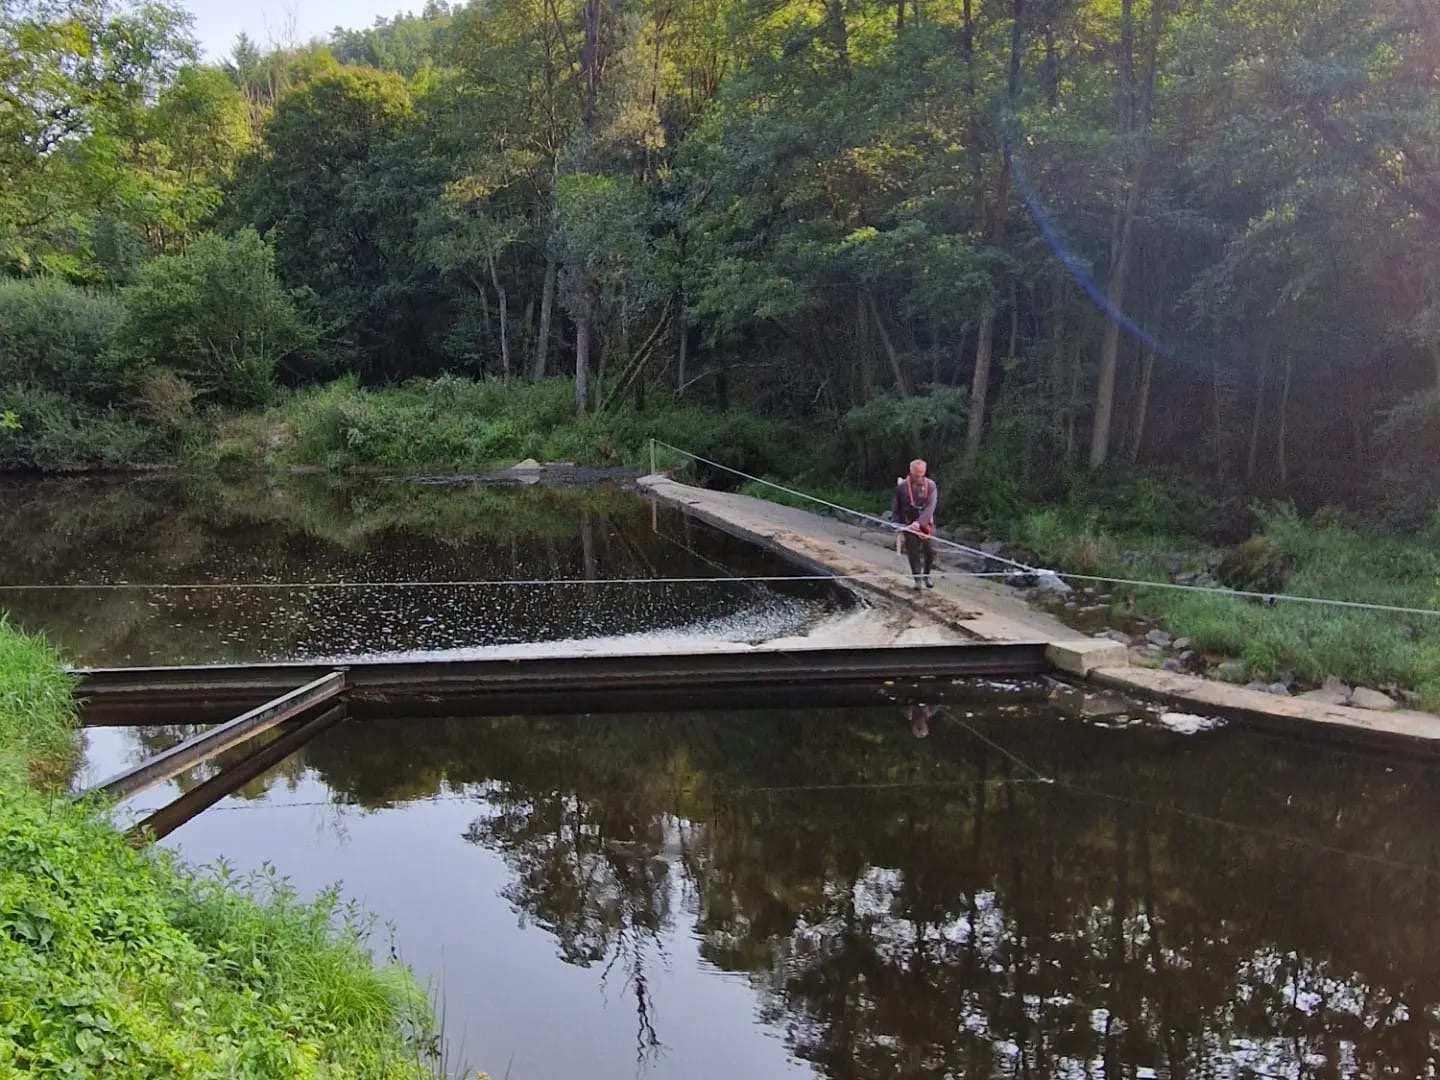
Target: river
{"type": "Point", "coordinates": [989, 885]}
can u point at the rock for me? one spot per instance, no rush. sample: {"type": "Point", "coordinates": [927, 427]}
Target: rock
{"type": "Point", "coordinates": [1259, 687]}
{"type": "Point", "coordinates": [1257, 564]}
{"type": "Point", "coordinates": [1279, 689]}
{"type": "Point", "coordinates": [1232, 671]}
{"type": "Point", "coordinates": [1286, 679]}
{"type": "Point", "coordinates": [527, 466]}
{"type": "Point", "coordinates": [1187, 656]}
{"type": "Point", "coordinates": [992, 547]}
{"type": "Point", "coordinates": [1172, 665]}
{"type": "Point", "coordinates": [1181, 644]}
{"type": "Point", "coordinates": [1051, 584]}
{"type": "Point", "coordinates": [1334, 692]}
{"type": "Point", "coordinates": [1160, 639]}
{"type": "Point", "coordinates": [1116, 635]}
{"type": "Point", "coordinates": [1173, 564]}
{"type": "Point", "coordinates": [1363, 697]}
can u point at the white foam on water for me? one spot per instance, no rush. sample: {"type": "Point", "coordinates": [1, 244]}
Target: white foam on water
{"type": "Point", "coordinates": [1188, 723]}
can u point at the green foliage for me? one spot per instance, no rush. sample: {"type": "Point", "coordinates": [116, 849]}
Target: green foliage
{"type": "Point", "coordinates": [57, 336]}
{"type": "Point", "coordinates": [218, 316]}
{"type": "Point", "coordinates": [1322, 559]}
{"type": "Point", "coordinates": [452, 423]}
{"type": "Point", "coordinates": [891, 420]}
{"type": "Point", "coordinates": [123, 963]}
{"type": "Point", "coordinates": [53, 434]}
{"type": "Point", "coordinates": [37, 711]}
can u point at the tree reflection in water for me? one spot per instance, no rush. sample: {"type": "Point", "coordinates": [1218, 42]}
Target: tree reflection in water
{"type": "Point", "coordinates": [1223, 905]}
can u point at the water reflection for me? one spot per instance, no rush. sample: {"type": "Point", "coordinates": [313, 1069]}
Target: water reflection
{"type": "Point", "coordinates": [1016, 894]}
{"type": "Point", "coordinates": [287, 532]}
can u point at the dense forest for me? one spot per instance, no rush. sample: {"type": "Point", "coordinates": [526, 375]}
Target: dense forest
{"type": "Point", "coordinates": [1038, 239]}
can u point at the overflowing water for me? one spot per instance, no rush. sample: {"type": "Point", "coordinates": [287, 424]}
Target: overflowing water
{"type": "Point", "coordinates": [555, 564]}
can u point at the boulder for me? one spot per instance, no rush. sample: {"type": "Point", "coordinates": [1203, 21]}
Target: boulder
{"type": "Point", "coordinates": [1112, 634]}
{"type": "Point", "coordinates": [1051, 585]}
{"type": "Point", "coordinates": [1160, 639]}
{"type": "Point", "coordinates": [1172, 665]}
{"type": "Point", "coordinates": [1232, 671]}
{"type": "Point", "coordinates": [527, 466]}
{"type": "Point", "coordinates": [1334, 692]}
{"type": "Point", "coordinates": [992, 547]}
{"type": "Point", "coordinates": [1182, 644]}
{"type": "Point", "coordinates": [1362, 697]}
{"type": "Point", "coordinates": [1279, 689]}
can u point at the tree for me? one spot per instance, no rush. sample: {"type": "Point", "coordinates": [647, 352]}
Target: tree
{"type": "Point", "coordinates": [218, 316]}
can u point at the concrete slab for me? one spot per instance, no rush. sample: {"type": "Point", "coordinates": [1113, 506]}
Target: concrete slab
{"type": "Point", "coordinates": [976, 608]}
{"type": "Point", "coordinates": [1190, 691]}
{"type": "Point", "coordinates": [1080, 656]}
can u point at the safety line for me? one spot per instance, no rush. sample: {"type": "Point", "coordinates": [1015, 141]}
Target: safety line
{"type": "Point", "coordinates": [489, 583]}
{"type": "Point", "coordinates": [1132, 582]}
{"type": "Point", "coordinates": [853, 513]}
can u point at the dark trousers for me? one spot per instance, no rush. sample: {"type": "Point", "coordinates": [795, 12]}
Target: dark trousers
{"type": "Point", "coordinates": [920, 552]}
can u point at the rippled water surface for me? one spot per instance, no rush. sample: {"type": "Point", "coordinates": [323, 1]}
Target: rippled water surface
{"type": "Point", "coordinates": [528, 565]}
{"type": "Point", "coordinates": [1015, 893]}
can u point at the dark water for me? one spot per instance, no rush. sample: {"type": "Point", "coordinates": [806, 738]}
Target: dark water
{"type": "Point", "coordinates": [1019, 893]}
{"type": "Point", "coordinates": [287, 532]}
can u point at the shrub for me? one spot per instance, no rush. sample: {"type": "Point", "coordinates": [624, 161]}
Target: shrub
{"type": "Point", "coordinates": [57, 336]}
{"type": "Point", "coordinates": [218, 316]}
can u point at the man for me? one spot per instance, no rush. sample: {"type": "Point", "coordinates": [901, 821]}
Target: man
{"type": "Point", "coordinates": [914, 507]}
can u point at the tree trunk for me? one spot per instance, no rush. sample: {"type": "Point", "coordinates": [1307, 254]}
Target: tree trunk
{"type": "Point", "coordinates": [684, 354]}
{"type": "Point", "coordinates": [504, 320]}
{"type": "Point", "coordinates": [547, 306]}
{"type": "Point", "coordinates": [1281, 465]}
{"type": "Point", "coordinates": [1257, 416]}
{"type": "Point", "coordinates": [582, 356]}
{"type": "Point", "coordinates": [979, 386]}
{"type": "Point", "coordinates": [1057, 365]}
{"type": "Point", "coordinates": [866, 377]}
{"type": "Point", "coordinates": [1124, 232]}
{"type": "Point", "coordinates": [985, 340]}
{"type": "Point", "coordinates": [590, 64]}
{"type": "Point", "coordinates": [900, 384]}
{"type": "Point", "coordinates": [1142, 402]}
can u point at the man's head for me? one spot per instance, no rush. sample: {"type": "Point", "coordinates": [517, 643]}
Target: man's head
{"type": "Point", "coordinates": [917, 470]}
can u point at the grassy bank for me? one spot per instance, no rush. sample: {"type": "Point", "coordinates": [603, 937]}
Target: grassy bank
{"type": "Point", "coordinates": [1318, 558]}
{"type": "Point", "coordinates": [458, 424]}
{"type": "Point", "coordinates": [120, 963]}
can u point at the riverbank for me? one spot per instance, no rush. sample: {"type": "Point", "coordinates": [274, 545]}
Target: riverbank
{"type": "Point", "coordinates": [987, 610]}
{"type": "Point", "coordinates": [123, 963]}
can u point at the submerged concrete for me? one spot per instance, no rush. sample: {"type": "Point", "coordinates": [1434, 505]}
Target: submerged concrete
{"type": "Point", "coordinates": [982, 609]}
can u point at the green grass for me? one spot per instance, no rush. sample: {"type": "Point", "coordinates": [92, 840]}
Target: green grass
{"type": "Point", "coordinates": [37, 711]}
{"type": "Point", "coordinates": [1314, 641]}
{"type": "Point", "coordinates": [456, 424]}
{"type": "Point", "coordinates": [122, 963]}
{"type": "Point", "coordinates": [865, 501]}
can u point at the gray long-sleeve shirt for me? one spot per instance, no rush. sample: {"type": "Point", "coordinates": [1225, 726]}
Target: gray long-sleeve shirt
{"type": "Point", "coordinates": [915, 504]}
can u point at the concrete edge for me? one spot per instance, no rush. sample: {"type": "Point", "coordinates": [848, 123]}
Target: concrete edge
{"type": "Point", "coordinates": [1412, 729]}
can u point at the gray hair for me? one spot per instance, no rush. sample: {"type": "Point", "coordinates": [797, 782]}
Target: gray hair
{"type": "Point", "coordinates": [918, 461]}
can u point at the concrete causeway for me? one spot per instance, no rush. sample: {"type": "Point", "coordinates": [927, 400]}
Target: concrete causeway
{"type": "Point", "coordinates": [982, 609]}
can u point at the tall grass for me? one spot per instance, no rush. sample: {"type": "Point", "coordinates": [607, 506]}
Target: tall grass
{"type": "Point", "coordinates": [1328, 560]}
{"type": "Point", "coordinates": [37, 710]}
{"type": "Point", "coordinates": [121, 963]}
{"type": "Point", "coordinates": [460, 424]}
